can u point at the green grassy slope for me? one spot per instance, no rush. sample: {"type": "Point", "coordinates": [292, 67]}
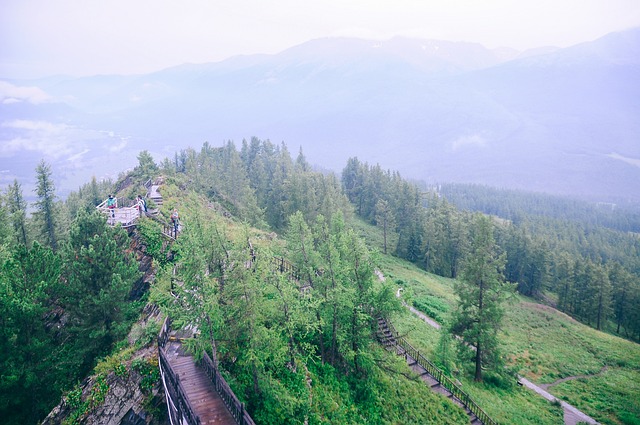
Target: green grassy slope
{"type": "Point", "coordinates": [544, 344]}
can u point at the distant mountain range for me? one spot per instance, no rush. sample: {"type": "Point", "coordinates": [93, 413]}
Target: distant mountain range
{"type": "Point", "coordinates": [562, 121]}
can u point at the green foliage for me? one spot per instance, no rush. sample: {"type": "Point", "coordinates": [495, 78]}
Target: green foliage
{"type": "Point", "coordinates": [45, 212]}
{"type": "Point", "coordinates": [120, 370]}
{"type": "Point", "coordinates": [88, 196]}
{"type": "Point", "coordinates": [385, 199]}
{"type": "Point", "coordinates": [17, 209]}
{"type": "Point", "coordinates": [149, 371]}
{"type": "Point", "coordinates": [308, 355]}
{"type": "Point", "coordinates": [481, 293]}
{"type": "Point", "coordinates": [146, 168]}
{"type": "Point", "coordinates": [547, 345]}
{"type": "Point", "coordinates": [156, 244]}
{"type": "Point", "coordinates": [99, 273]}
{"type": "Point", "coordinates": [31, 380]}
{"type": "Point", "coordinates": [433, 307]}
{"type": "Point", "coordinates": [510, 404]}
{"type": "Point", "coordinates": [79, 407]}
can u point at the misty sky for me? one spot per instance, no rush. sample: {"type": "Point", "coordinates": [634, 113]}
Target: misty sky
{"type": "Point", "coordinates": [88, 37]}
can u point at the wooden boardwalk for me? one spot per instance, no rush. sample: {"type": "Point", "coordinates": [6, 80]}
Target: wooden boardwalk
{"type": "Point", "coordinates": [202, 396]}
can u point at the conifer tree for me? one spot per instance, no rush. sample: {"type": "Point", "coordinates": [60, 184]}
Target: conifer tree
{"type": "Point", "coordinates": [45, 206]}
{"type": "Point", "coordinates": [385, 220]}
{"type": "Point", "coordinates": [6, 231]}
{"type": "Point", "coordinates": [622, 282]}
{"type": "Point", "coordinates": [481, 291]}
{"type": "Point", "coordinates": [99, 271]}
{"type": "Point", "coordinates": [146, 168]}
{"type": "Point", "coordinates": [602, 295]}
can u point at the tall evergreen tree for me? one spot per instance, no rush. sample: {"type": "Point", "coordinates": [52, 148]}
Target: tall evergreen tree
{"type": "Point", "coordinates": [385, 220]}
{"type": "Point", "coordinates": [99, 271]}
{"type": "Point", "coordinates": [602, 295]}
{"type": "Point", "coordinates": [6, 231]}
{"type": "Point", "coordinates": [481, 291]}
{"type": "Point", "coordinates": [622, 282]}
{"type": "Point", "coordinates": [46, 206]}
{"type": "Point", "coordinates": [146, 168]}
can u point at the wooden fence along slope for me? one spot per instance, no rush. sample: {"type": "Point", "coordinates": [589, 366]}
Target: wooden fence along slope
{"type": "Point", "coordinates": [430, 373]}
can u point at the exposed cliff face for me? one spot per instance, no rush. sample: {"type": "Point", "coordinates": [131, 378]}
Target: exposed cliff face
{"type": "Point", "coordinates": [122, 397]}
{"type": "Point", "coordinates": [145, 265]}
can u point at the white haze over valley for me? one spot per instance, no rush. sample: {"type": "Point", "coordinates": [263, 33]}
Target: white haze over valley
{"type": "Point", "coordinates": [538, 95]}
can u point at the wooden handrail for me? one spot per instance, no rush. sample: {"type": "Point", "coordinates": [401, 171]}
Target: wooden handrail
{"type": "Point", "coordinates": [439, 376]}
{"type": "Point", "coordinates": [163, 337]}
{"type": "Point", "coordinates": [236, 408]}
{"type": "Point", "coordinates": [284, 266]}
{"type": "Point", "coordinates": [177, 391]}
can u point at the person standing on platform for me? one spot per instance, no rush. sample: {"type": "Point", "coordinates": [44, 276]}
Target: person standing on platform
{"type": "Point", "coordinates": [112, 203]}
{"type": "Point", "coordinates": [175, 222]}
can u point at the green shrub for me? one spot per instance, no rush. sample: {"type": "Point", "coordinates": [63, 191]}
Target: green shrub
{"type": "Point", "coordinates": [432, 306]}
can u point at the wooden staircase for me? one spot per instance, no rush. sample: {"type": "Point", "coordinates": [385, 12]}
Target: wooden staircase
{"type": "Point", "coordinates": [389, 338]}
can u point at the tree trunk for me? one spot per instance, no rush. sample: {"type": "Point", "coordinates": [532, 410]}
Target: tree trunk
{"type": "Point", "coordinates": [478, 375]}
{"type": "Point", "coordinates": [384, 232]}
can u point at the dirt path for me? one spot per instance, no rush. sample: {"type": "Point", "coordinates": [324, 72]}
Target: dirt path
{"type": "Point", "coordinates": [571, 378]}
{"type": "Point", "coordinates": [572, 416]}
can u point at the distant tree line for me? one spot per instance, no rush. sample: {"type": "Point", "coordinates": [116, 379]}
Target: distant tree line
{"type": "Point", "coordinates": [586, 259]}
{"type": "Point", "coordinates": [515, 205]}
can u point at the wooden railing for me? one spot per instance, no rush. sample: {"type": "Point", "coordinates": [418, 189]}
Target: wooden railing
{"type": "Point", "coordinates": [284, 266]}
{"type": "Point", "coordinates": [440, 376]}
{"type": "Point", "coordinates": [126, 215]}
{"type": "Point", "coordinates": [236, 408]}
{"type": "Point", "coordinates": [163, 337]}
{"type": "Point", "coordinates": [176, 394]}
{"type": "Point", "coordinates": [168, 229]}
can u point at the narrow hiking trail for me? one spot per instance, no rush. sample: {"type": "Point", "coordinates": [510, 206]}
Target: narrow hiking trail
{"type": "Point", "coordinates": [571, 378]}
{"type": "Point", "coordinates": [572, 416]}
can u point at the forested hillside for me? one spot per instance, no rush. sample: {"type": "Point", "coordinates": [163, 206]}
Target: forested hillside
{"type": "Point", "coordinates": [300, 347]}
{"type": "Point", "coordinates": [584, 260]}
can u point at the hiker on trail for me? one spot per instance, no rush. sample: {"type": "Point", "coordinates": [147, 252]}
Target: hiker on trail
{"type": "Point", "coordinates": [141, 204]}
{"type": "Point", "coordinates": [111, 206]}
{"type": "Point", "coordinates": [175, 222]}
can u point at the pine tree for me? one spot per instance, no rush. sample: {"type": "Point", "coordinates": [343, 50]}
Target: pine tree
{"type": "Point", "coordinates": [622, 282]}
{"type": "Point", "coordinates": [6, 231]}
{"type": "Point", "coordinates": [602, 294]}
{"type": "Point", "coordinates": [99, 271]}
{"type": "Point", "coordinates": [481, 292]}
{"type": "Point", "coordinates": [385, 220]}
{"type": "Point", "coordinates": [146, 168]}
{"type": "Point", "coordinates": [45, 206]}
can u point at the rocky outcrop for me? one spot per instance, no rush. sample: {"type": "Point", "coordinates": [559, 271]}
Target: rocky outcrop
{"type": "Point", "coordinates": [124, 396]}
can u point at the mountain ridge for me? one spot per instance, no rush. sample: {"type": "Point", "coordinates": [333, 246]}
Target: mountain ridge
{"type": "Point", "coordinates": [557, 122]}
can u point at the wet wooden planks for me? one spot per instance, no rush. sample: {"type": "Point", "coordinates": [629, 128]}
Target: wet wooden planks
{"type": "Point", "coordinates": [203, 397]}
